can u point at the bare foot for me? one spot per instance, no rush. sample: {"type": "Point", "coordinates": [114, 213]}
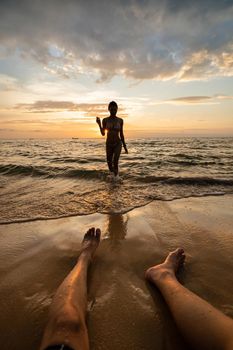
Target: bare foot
{"type": "Point", "coordinates": [91, 241]}
{"type": "Point", "coordinates": [169, 267]}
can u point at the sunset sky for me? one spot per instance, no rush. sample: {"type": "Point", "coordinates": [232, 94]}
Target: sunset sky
{"type": "Point", "coordinates": [168, 64]}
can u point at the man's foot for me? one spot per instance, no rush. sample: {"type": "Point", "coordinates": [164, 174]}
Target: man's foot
{"type": "Point", "coordinates": [168, 268]}
{"type": "Point", "coordinates": [91, 241]}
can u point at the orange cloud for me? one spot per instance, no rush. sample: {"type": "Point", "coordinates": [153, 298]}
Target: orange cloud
{"type": "Point", "coordinates": [199, 99]}
{"type": "Point", "coordinates": [88, 109]}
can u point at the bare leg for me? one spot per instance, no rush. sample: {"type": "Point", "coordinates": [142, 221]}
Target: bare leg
{"type": "Point", "coordinates": [109, 154]}
{"type": "Point", "coordinates": [66, 324]}
{"type": "Point", "coordinates": [203, 326]}
{"type": "Point", "coordinates": [117, 152]}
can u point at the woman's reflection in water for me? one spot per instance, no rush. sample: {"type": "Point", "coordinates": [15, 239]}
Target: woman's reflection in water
{"type": "Point", "coordinates": [117, 228]}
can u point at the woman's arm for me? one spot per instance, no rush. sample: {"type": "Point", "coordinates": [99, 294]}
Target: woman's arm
{"type": "Point", "coordinates": [123, 138]}
{"type": "Point", "coordinates": [102, 128]}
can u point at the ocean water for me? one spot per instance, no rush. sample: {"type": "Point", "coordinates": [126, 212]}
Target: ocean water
{"type": "Point", "coordinates": [42, 179]}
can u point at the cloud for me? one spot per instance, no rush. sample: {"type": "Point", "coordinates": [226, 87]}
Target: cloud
{"type": "Point", "coordinates": [149, 39]}
{"type": "Point", "coordinates": [204, 64]}
{"type": "Point", "coordinates": [88, 109]}
{"type": "Point", "coordinates": [8, 83]}
{"type": "Point", "coordinates": [186, 100]}
{"type": "Point", "coordinates": [27, 121]}
{"type": "Point", "coordinates": [7, 130]}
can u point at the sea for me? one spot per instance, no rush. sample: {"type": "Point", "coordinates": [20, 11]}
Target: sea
{"type": "Point", "coordinates": [53, 178]}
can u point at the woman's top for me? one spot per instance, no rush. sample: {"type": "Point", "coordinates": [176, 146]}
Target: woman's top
{"type": "Point", "coordinates": [113, 125]}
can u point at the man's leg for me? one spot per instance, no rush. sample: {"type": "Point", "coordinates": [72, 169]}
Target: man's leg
{"type": "Point", "coordinates": [67, 324]}
{"type": "Point", "coordinates": [203, 326]}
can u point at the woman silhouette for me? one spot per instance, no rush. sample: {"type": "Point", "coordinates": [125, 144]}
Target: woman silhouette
{"type": "Point", "coordinates": [115, 138]}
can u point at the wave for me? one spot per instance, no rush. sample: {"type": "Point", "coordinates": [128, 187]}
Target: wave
{"type": "Point", "coordinates": [49, 172]}
{"type": "Point", "coordinates": [76, 160]}
{"type": "Point", "coordinates": [14, 169]}
{"type": "Point", "coordinates": [200, 181]}
{"type": "Point", "coordinates": [186, 156]}
{"type": "Point", "coordinates": [108, 211]}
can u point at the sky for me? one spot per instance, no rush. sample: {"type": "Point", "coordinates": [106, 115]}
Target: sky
{"type": "Point", "coordinates": [168, 64]}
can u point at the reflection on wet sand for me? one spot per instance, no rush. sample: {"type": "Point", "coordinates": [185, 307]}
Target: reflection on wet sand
{"type": "Point", "coordinates": [117, 228]}
{"type": "Point", "coordinates": [126, 312]}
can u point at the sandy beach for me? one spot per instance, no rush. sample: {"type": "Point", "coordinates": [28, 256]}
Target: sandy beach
{"type": "Point", "coordinates": [116, 115]}
{"type": "Point", "coordinates": [124, 312]}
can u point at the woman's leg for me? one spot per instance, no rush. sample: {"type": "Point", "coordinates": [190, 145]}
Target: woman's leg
{"type": "Point", "coordinates": [117, 152]}
{"type": "Point", "coordinates": [109, 154]}
{"type": "Point", "coordinates": [66, 324]}
{"type": "Point", "coordinates": [203, 326]}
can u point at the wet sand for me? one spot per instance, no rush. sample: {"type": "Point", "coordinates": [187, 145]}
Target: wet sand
{"type": "Point", "coordinates": [124, 311]}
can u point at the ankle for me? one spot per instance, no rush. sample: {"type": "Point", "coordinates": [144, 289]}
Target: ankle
{"type": "Point", "coordinates": [159, 275]}
{"type": "Point", "coordinates": [85, 256]}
